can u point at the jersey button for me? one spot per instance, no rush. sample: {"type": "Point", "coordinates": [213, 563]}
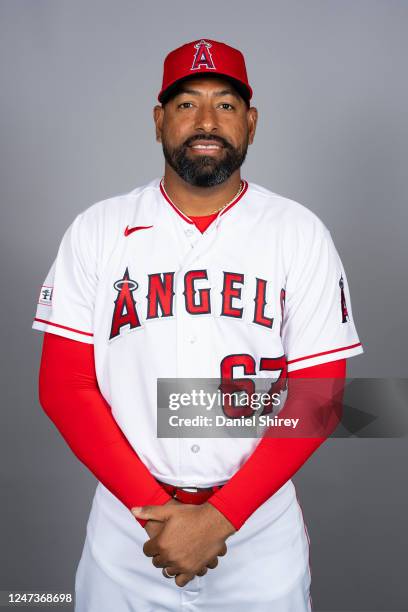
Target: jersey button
{"type": "Point", "coordinates": [195, 448]}
{"type": "Point", "coordinates": [189, 231]}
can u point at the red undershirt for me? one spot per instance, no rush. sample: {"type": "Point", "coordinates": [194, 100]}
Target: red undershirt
{"type": "Point", "coordinates": [70, 396]}
{"type": "Point", "coordinates": [203, 222]}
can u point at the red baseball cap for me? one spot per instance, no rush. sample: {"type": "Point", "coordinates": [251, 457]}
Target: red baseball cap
{"type": "Point", "coordinates": [205, 56]}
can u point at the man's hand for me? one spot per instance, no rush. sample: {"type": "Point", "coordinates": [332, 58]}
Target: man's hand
{"type": "Point", "coordinates": [154, 527]}
{"type": "Point", "coordinates": [192, 538]}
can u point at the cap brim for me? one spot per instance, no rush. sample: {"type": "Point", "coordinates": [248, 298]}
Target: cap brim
{"type": "Point", "coordinates": [170, 91]}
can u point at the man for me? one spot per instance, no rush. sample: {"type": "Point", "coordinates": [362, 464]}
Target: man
{"type": "Point", "coordinates": [199, 274]}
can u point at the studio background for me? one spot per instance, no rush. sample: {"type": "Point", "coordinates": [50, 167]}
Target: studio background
{"type": "Point", "coordinates": [79, 80]}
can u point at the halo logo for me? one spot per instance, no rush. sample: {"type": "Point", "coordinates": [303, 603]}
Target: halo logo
{"type": "Point", "coordinates": [203, 57]}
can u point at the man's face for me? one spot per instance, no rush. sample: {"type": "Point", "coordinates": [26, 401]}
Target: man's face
{"type": "Point", "coordinates": [205, 130]}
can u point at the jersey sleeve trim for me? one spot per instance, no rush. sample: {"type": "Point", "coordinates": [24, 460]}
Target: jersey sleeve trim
{"type": "Point", "coordinates": [78, 331]}
{"type": "Point", "coordinates": [62, 330]}
{"type": "Point", "coordinates": [325, 356]}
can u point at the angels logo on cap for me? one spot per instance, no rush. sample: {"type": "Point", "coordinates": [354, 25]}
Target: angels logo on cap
{"type": "Point", "coordinates": [203, 57]}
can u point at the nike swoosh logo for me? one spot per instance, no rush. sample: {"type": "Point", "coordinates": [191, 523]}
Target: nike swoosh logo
{"type": "Point", "coordinates": [130, 230]}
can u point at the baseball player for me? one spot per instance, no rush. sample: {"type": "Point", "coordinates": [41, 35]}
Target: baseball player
{"type": "Point", "coordinates": [199, 273]}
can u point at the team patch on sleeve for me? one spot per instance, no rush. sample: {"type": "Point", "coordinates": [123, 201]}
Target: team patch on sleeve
{"type": "Point", "coordinates": [343, 305]}
{"type": "Point", "coordinates": [45, 296]}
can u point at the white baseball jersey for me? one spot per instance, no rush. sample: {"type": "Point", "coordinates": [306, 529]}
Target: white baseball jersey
{"type": "Point", "coordinates": [261, 287]}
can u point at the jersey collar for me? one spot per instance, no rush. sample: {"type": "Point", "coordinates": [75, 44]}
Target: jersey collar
{"type": "Point", "coordinates": [222, 212]}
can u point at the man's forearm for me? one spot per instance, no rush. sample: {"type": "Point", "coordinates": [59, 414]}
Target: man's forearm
{"type": "Point", "coordinates": [276, 459]}
{"type": "Point", "coordinates": [71, 398]}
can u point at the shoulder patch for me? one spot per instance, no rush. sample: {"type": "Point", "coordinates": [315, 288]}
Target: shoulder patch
{"type": "Point", "coordinates": [45, 296]}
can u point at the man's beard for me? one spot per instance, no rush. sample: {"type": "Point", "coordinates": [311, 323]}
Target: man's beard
{"type": "Point", "coordinates": [204, 170]}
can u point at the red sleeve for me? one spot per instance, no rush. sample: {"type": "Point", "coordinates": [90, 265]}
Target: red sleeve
{"type": "Point", "coordinates": [70, 396]}
{"type": "Point", "coordinates": [256, 480]}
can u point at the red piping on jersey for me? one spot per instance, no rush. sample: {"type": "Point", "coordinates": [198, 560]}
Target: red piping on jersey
{"type": "Point", "coordinates": [182, 215]}
{"type": "Point", "coordinates": [187, 219]}
{"type": "Point", "coordinates": [344, 348]}
{"type": "Point", "coordinates": [78, 331]}
{"type": "Point", "coordinates": [244, 189]}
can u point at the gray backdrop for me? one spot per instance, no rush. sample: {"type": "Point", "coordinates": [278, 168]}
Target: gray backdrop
{"type": "Point", "coordinates": [78, 83]}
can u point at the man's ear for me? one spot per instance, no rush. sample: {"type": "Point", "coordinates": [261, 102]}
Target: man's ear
{"type": "Point", "coordinates": [158, 112]}
{"type": "Point", "coordinates": [252, 116]}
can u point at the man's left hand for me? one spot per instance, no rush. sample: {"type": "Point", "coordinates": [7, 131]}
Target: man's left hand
{"type": "Point", "coordinates": [192, 537]}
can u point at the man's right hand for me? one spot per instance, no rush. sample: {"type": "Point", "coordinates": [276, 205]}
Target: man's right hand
{"type": "Point", "coordinates": [154, 527]}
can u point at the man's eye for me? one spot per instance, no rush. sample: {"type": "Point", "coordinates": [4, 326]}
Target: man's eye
{"type": "Point", "coordinates": [227, 105]}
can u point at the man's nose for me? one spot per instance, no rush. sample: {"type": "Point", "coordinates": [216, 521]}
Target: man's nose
{"type": "Point", "coordinates": [206, 118]}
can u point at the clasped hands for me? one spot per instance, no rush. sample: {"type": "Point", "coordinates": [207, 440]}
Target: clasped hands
{"type": "Point", "coordinates": [186, 539]}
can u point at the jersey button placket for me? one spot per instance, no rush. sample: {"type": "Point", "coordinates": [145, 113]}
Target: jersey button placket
{"type": "Point", "coordinates": [188, 343]}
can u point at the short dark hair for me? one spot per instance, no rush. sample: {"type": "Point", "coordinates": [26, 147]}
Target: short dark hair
{"type": "Point", "coordinates": [174, 89]}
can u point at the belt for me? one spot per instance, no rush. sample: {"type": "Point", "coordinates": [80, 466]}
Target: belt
{"type": "Point", "coordinates": [189, 495]}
